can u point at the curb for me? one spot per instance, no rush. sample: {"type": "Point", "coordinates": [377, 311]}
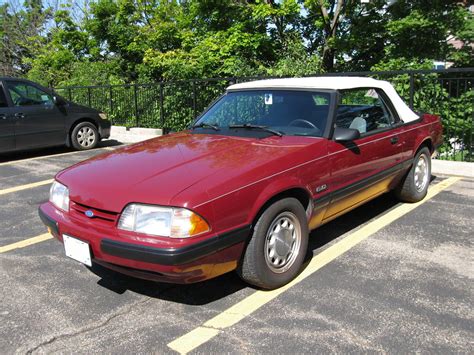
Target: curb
{"type": "Point", "coordinates": [133, 135]}
{"type": "Point", "coordinates": [452, 168]}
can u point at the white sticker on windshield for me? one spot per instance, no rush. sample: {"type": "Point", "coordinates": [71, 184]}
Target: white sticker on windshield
{"type": "Point", "coordinates": [268, 99]}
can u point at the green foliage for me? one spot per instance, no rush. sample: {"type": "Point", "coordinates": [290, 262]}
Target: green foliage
{"type": "Point", "coordinates": [150, 40]}
{"type": "Point", "coordinates": [140, 41]}
{"type": "Point", "coordinates": [436, 95]}
{"type": "Point", "coordinates": [457, 114]}
{"type": "Point", "coordinates": [294, 60]}
{"type": "Point", "coordinates": [464, 57]}
{"type": "Point", "coordinates": [23, 34]}
{"type": "Point", "coordinates": [420, 29]}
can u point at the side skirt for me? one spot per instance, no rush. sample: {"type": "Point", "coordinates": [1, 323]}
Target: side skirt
{"type": "Point", "coordinates": [354, 195]}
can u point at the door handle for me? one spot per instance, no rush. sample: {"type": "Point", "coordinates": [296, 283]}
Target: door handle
{"type": "Point", "coordinates": [394, 140]}
{"type": "Point", "coordinates": [3, 117]}
{"type": "Point", "coordinates": [20, 115]}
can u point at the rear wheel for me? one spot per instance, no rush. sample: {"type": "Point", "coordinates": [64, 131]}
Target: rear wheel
{"type": "Point", "coordinates": [84, 136]}
{"type": "Point", "coordinates": [278, 245]}
{"type": "Point", "coordinates": [415, 185]}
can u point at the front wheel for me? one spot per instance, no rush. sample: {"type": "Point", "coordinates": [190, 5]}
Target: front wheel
{"type": "Point", "coordinates": [84, 136]}
{"type": "Point", "coordinates": [277, 247]}
{"type": "Point", "coordinates": [414, 186]}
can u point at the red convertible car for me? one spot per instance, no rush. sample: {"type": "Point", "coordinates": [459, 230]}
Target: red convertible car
{"type": "Point", "coordinates": [240, 189]}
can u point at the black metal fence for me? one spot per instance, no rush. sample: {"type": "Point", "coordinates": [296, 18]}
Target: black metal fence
{"type": "Point", "coordinates": [173, 105]}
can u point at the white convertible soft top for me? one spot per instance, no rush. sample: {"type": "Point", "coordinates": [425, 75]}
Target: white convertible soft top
{"type": "Point", "coordinates": [333, 83]}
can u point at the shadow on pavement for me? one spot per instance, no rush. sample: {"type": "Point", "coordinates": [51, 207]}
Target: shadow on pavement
{"type": "Point", "coordinates": [50, 152]}
{"type": "Point", "coordinates": [197, 294]}
{"type": "Point", "coordinates": [343, 224]}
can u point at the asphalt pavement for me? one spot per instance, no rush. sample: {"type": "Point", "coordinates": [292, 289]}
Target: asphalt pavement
{"type": "Point", "coordinates": [407, 286]}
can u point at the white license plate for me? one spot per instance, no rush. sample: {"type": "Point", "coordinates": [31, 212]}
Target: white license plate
{"type": "Point", "coordinates": [77, 249]}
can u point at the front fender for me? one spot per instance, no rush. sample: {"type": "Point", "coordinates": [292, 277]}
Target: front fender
{"type": "Point", "coordinates": [272, 190]}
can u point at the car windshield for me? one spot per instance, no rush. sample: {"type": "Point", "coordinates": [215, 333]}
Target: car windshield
{"type": "Point", "coordinates": [278, 112]}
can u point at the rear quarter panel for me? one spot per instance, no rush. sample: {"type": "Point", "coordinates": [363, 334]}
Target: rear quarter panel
{"type": "Point", "coordinates": [427, 130]}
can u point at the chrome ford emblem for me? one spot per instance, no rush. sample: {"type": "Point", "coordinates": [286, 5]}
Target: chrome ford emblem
{"type": "Point", "coordinates": [89, 213]}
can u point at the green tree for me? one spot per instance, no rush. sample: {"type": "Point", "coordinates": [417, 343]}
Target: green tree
{"type": "Point", "coordinates": [149, 40]}
{"type": "Point", "coordinates": [23, 33]}
{"type": "Point", "coordinates": [350, 35]}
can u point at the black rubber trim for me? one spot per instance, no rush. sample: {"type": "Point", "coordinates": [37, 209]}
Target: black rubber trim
{"type": "Point", "coordinates": [175, 256]}
{"type": "Point", "coordinates": [321, 202]}
{"type": "Point", "coordinates": [359, 185]}
{"type": "Point", "coordinates": [104, 132]}
{"type": "Point", "coordinates": [104, 128]}
{"type": "Point", "coordinates": [49, 222]}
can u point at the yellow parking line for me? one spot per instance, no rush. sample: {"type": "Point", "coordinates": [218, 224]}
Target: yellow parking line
{"type": "Point", "coordinates": [53, 156]}
{"type": "Point", "coordinates": [26, 242]}
{"type": "Point", "coordinates": [236, 313]}
{"type": "Point", "coordinates": [25, 187]}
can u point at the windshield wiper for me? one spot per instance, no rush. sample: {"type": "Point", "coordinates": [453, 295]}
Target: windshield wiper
{"type": "Point", "coordinates": [254, 126]}
{"type": "Point", "coordinates": [206, 125]}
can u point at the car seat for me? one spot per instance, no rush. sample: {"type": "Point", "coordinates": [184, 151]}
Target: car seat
{"type": "Point", "coordinates": [360, 124]}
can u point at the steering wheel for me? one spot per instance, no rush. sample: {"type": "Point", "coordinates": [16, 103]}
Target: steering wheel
{"type": "Point", "coordinates": [300, 120]}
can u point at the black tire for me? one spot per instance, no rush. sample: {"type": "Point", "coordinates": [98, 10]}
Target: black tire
{"type": "Point", "coordinates": [410, 188]}
{"type": "Point", "coordinates": [258, 267]}
{"type": "Point", "coordinates": [85, 136]}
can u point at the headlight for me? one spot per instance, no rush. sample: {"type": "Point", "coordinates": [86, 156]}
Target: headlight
{"type": "Point", "coordinates": [162, 221]}
{"type": "Point", "coordinates": [103, 115]}
{"type": "Point", "coordinates": [59, 196]}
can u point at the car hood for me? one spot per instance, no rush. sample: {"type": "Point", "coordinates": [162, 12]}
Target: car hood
{"type": "Point", "coordinates": [154, 171]}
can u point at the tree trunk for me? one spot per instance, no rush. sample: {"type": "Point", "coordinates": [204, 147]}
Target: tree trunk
{"type": "Point", "coordinates": [328, 58]}
{"type": "Point", "coordinates": [331, 22]}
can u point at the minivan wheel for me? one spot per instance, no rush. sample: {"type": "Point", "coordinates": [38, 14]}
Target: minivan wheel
{"type": "Point", "coordinates": [277, 247]}
{"type": "Point", "coordinates": [84, 136]}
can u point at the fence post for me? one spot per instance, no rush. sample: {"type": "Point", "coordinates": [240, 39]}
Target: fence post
{"type": "Point", "coordinates": [471, 140]}
{"type": "Point", "coordinates": [136, 103]}
{"type": "Point", "coordinates": [70, 94]}
{"type": "Point", "coordinates": [111, 103]}
{"type": "Point", "coordinates": [162, 114]}
{"type": "Point", "coordinates": [89, 97]}
{"type": "Point", "coordinates": [194, 99]}
{"type": "Point", "coordinates": [412, 89]}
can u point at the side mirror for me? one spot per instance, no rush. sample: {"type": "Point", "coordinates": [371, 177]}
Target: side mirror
{"type": "Point", "coordinates": [346, 134]}
{"type": "Point", "coordinates": [59, 101]}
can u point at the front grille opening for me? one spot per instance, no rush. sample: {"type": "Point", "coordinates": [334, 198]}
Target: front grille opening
{"type": "Point", "coordinates": [104, 215]}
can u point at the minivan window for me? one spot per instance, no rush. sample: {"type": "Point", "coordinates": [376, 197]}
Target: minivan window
{"type": "Point", "coordinates": [23, 94]}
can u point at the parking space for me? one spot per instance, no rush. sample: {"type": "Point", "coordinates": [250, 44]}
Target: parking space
{"type": "Point", "coordinates": [39, 165]}
{"type": "Point", "coordinates": [384, 277]}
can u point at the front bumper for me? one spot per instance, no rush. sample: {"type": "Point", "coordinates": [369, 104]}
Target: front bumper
{"type": "Point", "coordinates": [194, 262]}
{"type": "Point", "coordinates": [104, 129]}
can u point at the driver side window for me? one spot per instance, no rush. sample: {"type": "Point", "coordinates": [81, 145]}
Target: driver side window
{"type": "Point", "coordinates": [23, 94]}
{"type": "Point", "coordinates": [364, 110]}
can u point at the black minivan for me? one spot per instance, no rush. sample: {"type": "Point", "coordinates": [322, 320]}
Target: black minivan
{"type": "Point", "coordinates": [32, 116]}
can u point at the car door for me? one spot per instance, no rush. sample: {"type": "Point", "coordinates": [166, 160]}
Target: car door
{"type": "Point", "coordinates": [38, 121]}
{"type": "Point", "coordinates": [364, 168]}
{"type": "Point", "coordinates": [7, 124]}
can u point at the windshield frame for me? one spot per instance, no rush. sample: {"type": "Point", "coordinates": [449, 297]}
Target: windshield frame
{"type": "Point", "coordinates": [333, 100]}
